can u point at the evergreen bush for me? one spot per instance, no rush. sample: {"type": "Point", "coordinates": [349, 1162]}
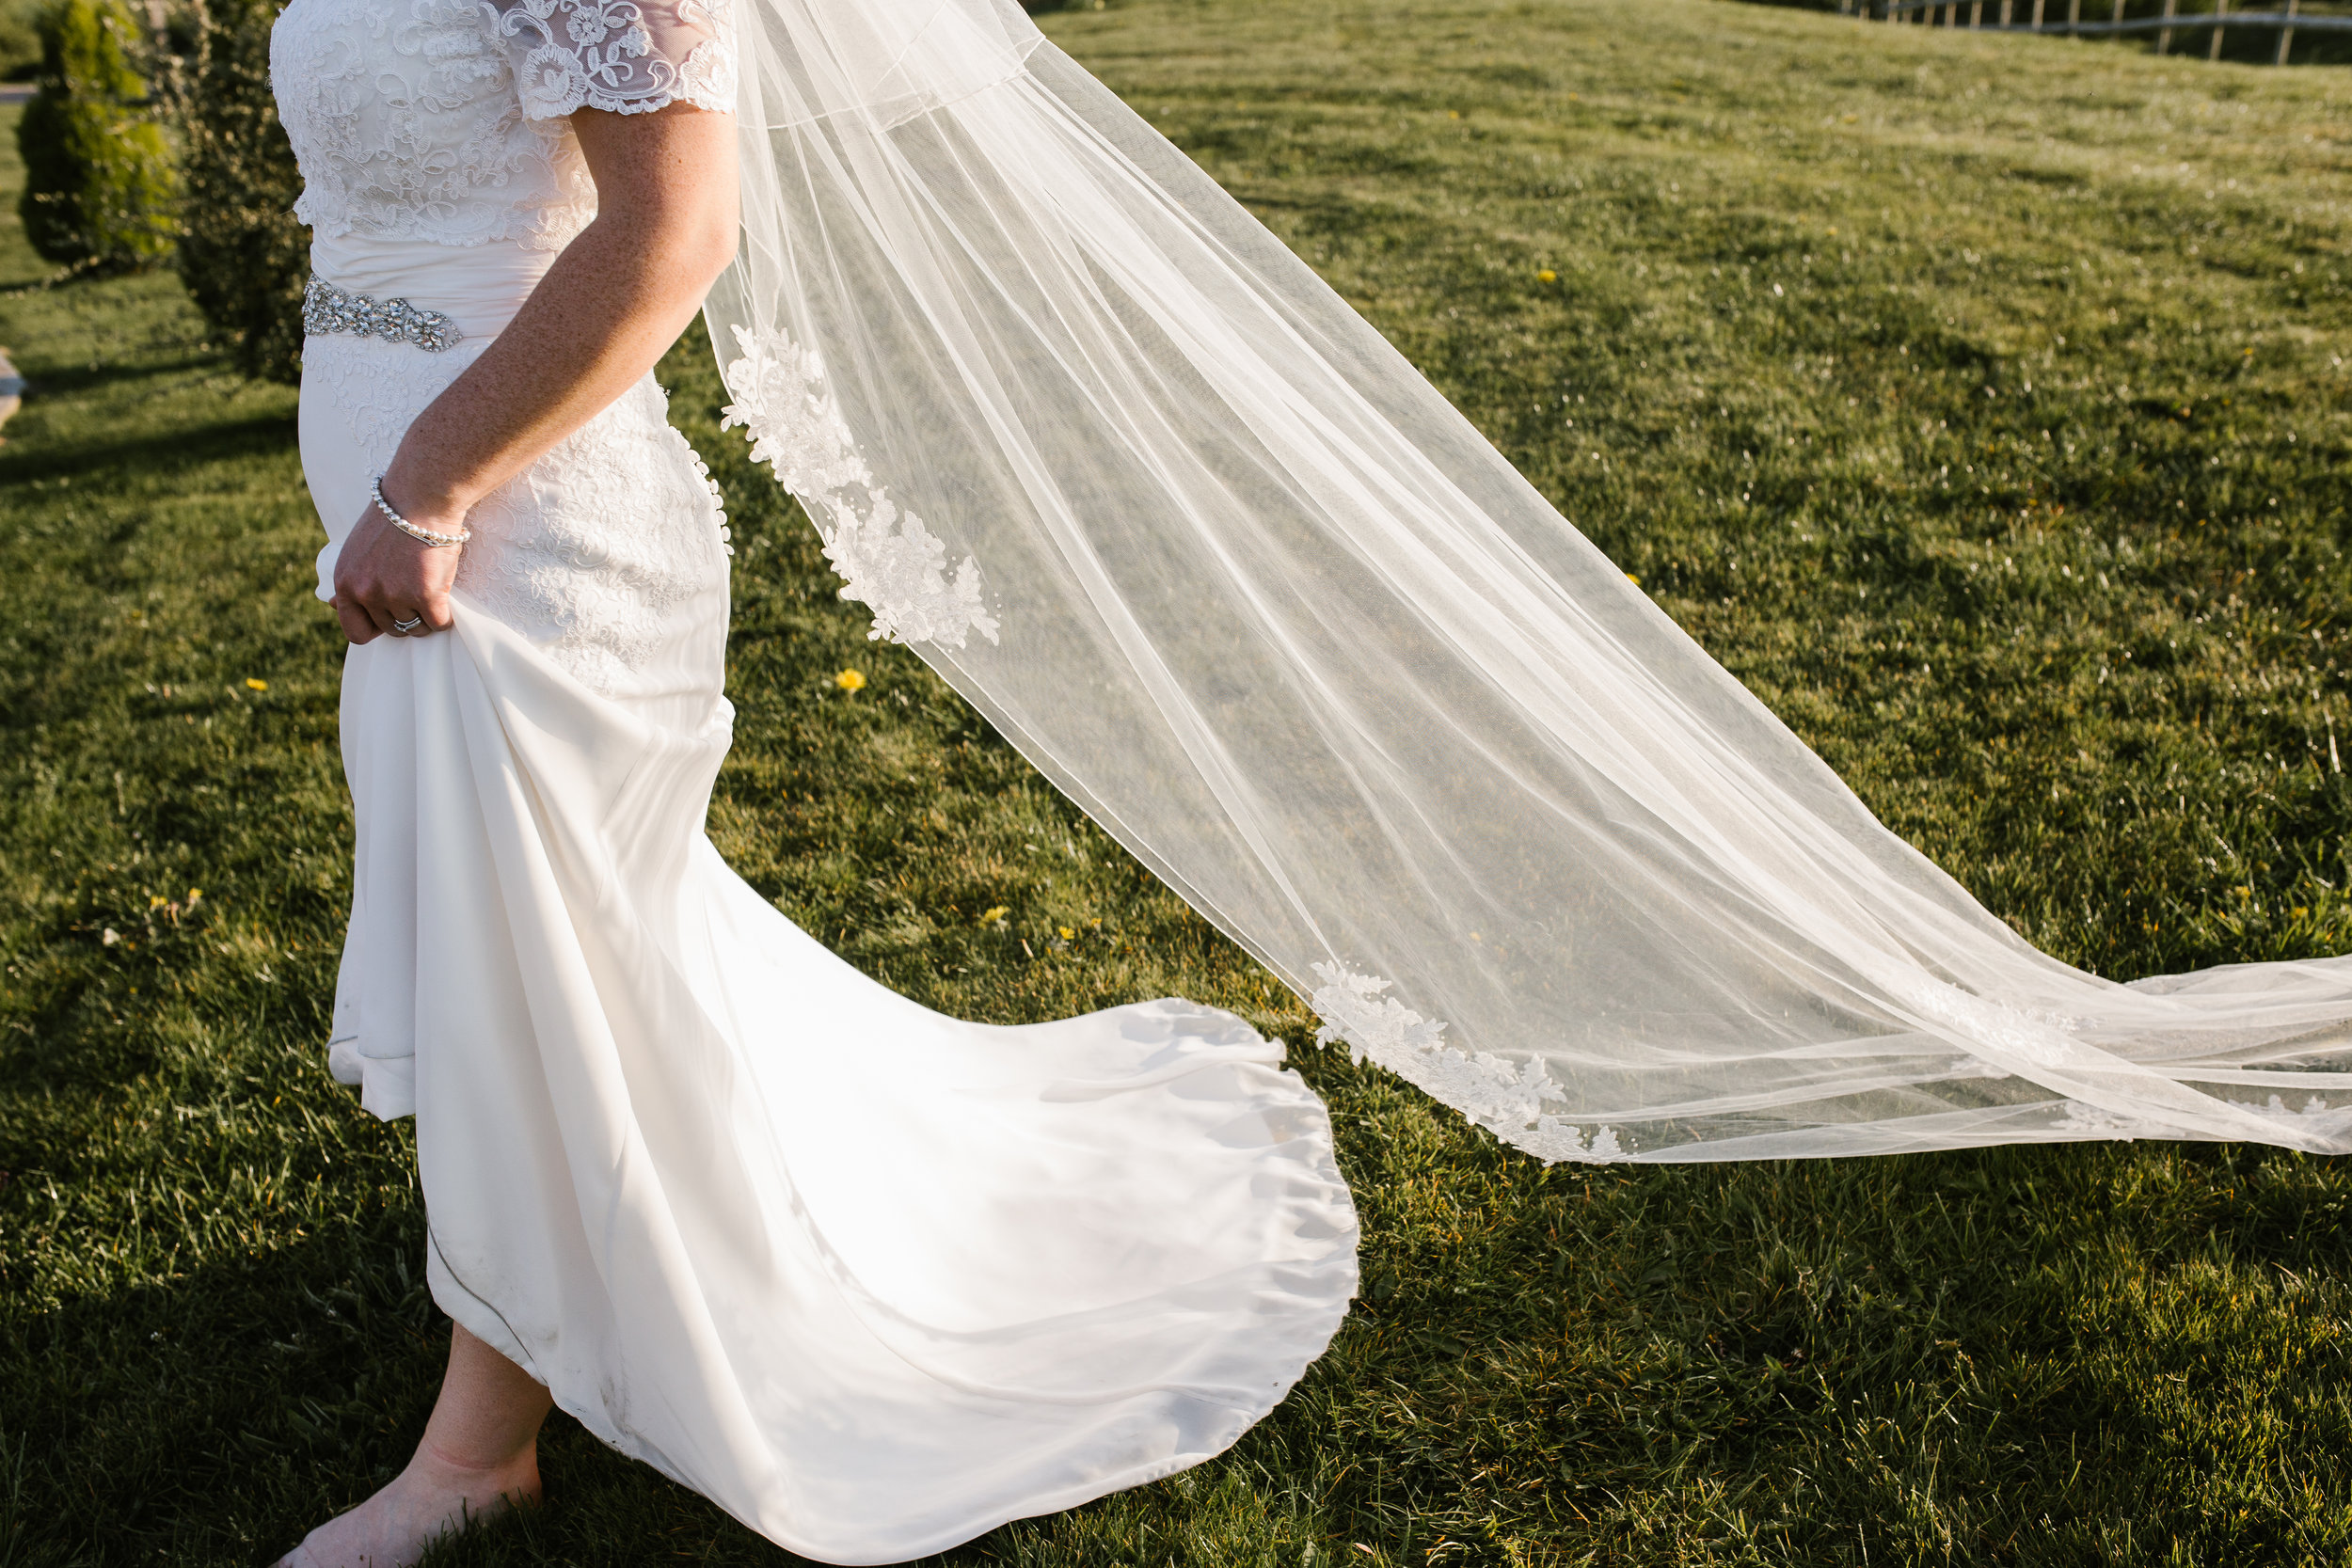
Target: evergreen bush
{"type": "Point", "coordinates": [242, 253]}
{"type": "Point", "coordinates": [100, 189]}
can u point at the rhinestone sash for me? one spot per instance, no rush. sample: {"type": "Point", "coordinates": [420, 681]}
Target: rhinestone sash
{"type": "Point", "coordinates": [327, 309]}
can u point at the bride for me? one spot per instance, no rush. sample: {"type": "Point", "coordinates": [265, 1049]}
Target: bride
{"type": "Point", "coordinates": [1229, 573]}
{"type": "Point", "coordinates": [873, 1279]}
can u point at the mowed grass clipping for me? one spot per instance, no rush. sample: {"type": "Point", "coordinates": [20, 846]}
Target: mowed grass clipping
{"type": "Point", "coordinates": [1979, 401]}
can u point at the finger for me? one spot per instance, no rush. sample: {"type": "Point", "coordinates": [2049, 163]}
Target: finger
{"type": "Point", "coordinates": [437, 615]}
{"type": "Point", "coordinates": [410, 621]}
{"type": "Point", "coordinates": [357, 628]}
{"type": "Point", "coordinates": [380, 612]}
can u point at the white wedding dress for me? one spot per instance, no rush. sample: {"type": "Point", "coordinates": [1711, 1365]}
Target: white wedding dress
{"type": "Point", "coordinates": [873, 1279]}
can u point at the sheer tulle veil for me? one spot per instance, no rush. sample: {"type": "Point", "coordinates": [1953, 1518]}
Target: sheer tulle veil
{"type": "Point", "coordinates": [1236, 579]}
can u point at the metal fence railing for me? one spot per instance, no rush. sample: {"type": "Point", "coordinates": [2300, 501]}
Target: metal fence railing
{"type": "Point", "coordinates": [2066, 18]}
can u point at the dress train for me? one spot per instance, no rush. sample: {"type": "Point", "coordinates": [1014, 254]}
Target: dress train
{"type": "Point", "coordinates": [871, 1278]}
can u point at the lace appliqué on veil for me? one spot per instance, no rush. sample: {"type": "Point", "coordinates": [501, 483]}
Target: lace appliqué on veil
{"type": "Point", "coordinates": [2087, 1120]}
{"type": "Point", "coordinates": [2090, 1121]}
{"type": "Point", "coordinates": [888, 560]}
{"type": "Point", "coordinates": [1506, 1100]}
{"type": "Point", "coordinates": [2041, 1039]}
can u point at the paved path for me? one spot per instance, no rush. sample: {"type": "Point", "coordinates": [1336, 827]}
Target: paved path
{"type": "Point", "coordinates": [17, 93]}
{"type": "Point", "coordinates": [11, 388]}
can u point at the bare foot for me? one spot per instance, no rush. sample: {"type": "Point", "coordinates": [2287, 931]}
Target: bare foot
{"type": "Point", "coordinates": [432, 1497]}
{"type": "Point", "coordinates": [480, 1457]}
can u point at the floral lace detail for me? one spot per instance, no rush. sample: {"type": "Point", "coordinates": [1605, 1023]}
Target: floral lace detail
{"type": "Point", "coordinates": [2043, 1039]}
{"type": "Point", "coordinates": [2084, 1120]}
{"type": "Point", "coordinates": [888, 560]}
{"type": "Point", "coordinates": [378, 388]}
{"type": "Point", "coordinates": [621, 56]}
{"type": "Point", "coordinates": [707, 79]}
{"type": "Point", "coordinates": [1373, 1025]}
{"type": "Point", "coordinates": [593, 551]}
{"type": "Point", "coordinates": [1504, 1099]}
{"type": "Point", "coordinates": [794, 423]}
{"type": "Point", "coordinates": [898, 568]}
{"type": "Point", "coordinates": [439, 119]}
{"type": "Point", "coordinates": [406, 121]}
{"type": "Point", "coordinates": [2277, 1109]}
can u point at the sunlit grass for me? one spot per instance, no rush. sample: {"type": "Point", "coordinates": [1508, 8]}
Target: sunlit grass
{"type": "Point", "coordinates": [1942, 386]}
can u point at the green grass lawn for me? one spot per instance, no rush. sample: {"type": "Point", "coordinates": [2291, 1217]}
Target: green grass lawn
{"type": "Point", "coordinates": [1981, 402]}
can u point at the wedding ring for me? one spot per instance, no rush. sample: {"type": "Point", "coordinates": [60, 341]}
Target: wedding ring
{"type": "Point", "coordinates": [410, 625]}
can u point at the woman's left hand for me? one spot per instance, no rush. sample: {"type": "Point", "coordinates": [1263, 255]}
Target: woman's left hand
{"type": "Point", "coordinates": [384, 579]}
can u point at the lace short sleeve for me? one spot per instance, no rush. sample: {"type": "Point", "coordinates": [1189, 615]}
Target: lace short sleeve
{"type": "Point", "coordinates": [629, 56]}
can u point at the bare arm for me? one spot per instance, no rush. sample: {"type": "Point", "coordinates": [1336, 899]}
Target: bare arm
{"type": "Point", "coordinates": [610, 306]}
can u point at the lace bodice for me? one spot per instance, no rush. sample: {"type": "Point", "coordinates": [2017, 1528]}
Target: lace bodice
{"type": "Point", "coordinates": [444, 120]}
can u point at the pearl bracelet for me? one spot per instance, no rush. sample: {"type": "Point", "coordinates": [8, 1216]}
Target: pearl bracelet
{"type": "Point", "coordinates": [421, 535]}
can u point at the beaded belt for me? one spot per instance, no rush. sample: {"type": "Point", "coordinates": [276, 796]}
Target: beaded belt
{"type": "Point", "coordinates": [327, 309]}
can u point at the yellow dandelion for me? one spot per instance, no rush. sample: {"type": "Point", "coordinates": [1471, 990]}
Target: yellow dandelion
{"type": "Point", "coordinates": [1634, 580]}
{"type": "Point", "coordinates": [254, 684]}
{"type": "Point", "coordinates": [194, 895]}
{"type": "Point", "coordinates": [1456, 114]}
{"type": "Point", "coordinates": [1067, 933]}
{"type": "Point", "coordinates": [994, 916]}
{"type": "Point", "coordinates": [1547, 276]}
{"type": "Point", "coordinates": [156, 900]}
{"type": "Point", "coordinates": [850, 680]}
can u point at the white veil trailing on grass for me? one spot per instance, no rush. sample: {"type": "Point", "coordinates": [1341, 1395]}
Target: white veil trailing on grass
{"type": "Point", "coordinates": [1237, 580]}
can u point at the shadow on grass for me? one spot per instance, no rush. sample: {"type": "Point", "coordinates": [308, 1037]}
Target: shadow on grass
{"type": "Point", "coordinates": [254, 435]}
{"type": "Point", "coordinates": [61, 380]}
{"type": "Point", "coordinates": [297, 1378]}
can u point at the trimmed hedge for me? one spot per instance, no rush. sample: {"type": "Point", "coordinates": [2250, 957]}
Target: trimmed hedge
{"type": "Point", "coordinates": [100, 190]}
{"type": "Point", "coordinates": [242, 254]}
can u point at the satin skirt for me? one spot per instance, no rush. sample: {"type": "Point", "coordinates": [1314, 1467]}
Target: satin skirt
{"type": "Point", "coordinates": [871, 1278]}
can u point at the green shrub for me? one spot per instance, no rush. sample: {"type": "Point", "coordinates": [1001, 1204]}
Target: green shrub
{"type": "Point", "coordinates": [99, 185]}
{"type": "Point", "coordinates": [242, 253]}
